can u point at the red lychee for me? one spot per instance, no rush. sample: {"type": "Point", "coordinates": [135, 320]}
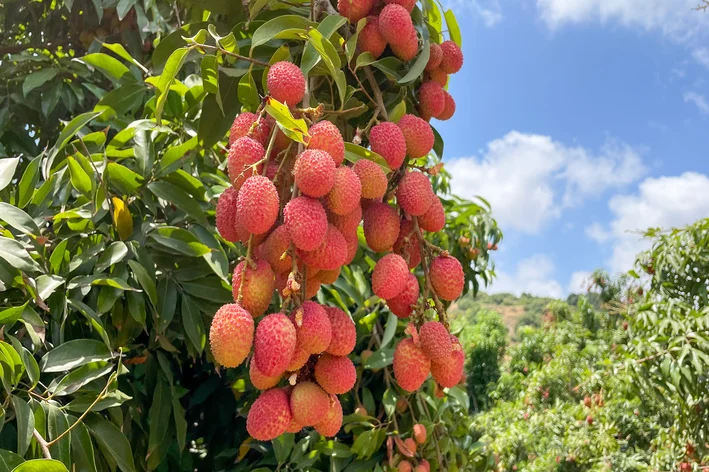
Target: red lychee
{"type": "Point", "coordinates": [395, 24]}
{"type": "Point", "coordinates": [231, 335]}
{"type": "Point", "coordinates": [435, 341]}
{"type": "Point", "coordinates": [372, 177]}
{"type": "Point", "coordinates": [336, 375]}
{"type": "Point", "coordinates": [314, 172]}
{"type": "Point", "coordinates": [370, 39]}
{"type": "Point", "coordinates": [330, 255]}
{"type": "Point", "coordinates": [432, 100]}
{"type": "Point", "coordinates": [242, 125]}
{"type": "Point", "coordinates": [381, 227]}
{"type": "Point", "coordinates": [401, 305]}
{"type": "Point", "coordinates": [346, 192]}
{"type": "Point", "coordinates": [344, 332]}
{"type": "Point", "coordinates": [347, 224]}
{"type": "Point", "coordinates": [330, 425]}
{"type": "Point", "coordinates": [286, 83]}
{"type": "Point", "coordinates": [415, 193]}
{"type": "Point", "coordinates": [354, 10]}
{"type": "Point", "coordinates": [435, 57]}
{"type": "Point", "coordinates": [452, 59]}
{"type": "Point", "coordinates": [274, 344]}
{"type": "Point", "coordinates": [313, 327]}
{"type": "Point", "coordinates": [448, 371]}
{"type": "Point", "coordinates": [435, 217]}
{"type": "Point", "coordinates": [448, 109]}
{"type": "Point", "coordinates": [261, 381]}
{"type": "Point", "coordinates": [447, 277]}
{"type": "Point", "coordinates": [306, 221]}
{"type": "Point", "coordinates": [419, 433]}
{"type": "Point", "coordinates": [407, 244]}
{"type": "Point", "coordinates": [407, 49]}
{"type": "Point", "coordinates": [417, 134]}
{"type": "Point", "coordinates": [226, 215]}
{"type": "Point", "coordinates": [411, 366]}
{"type": "Point", "coordinates": [273, 250]}
{"type": "Point", "coordinates": [269, 416]}
{"type": "Point", "coordinates": [242, 158]}
{"type": "Point", "coordinates": [387, 140]}
{"type": "Point", "coordinates": [327, 137]}
{"type": "Point", "coordinates": [389, 276]}
{"type": "Point", "coordinates": [309, 403]}
{"type": "Point", "coordinates": [257, 204]}
{"type": "Point", "coordinates": [257, 287]}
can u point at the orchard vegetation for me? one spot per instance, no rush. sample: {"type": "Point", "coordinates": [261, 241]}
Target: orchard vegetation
{"type": "Point", "coordinates": [229, 243]}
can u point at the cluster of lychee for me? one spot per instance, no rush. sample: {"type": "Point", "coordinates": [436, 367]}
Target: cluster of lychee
{"type": "Point", "coordinates": [389, 23]}
{"type": "Point", "coordinates": [408, 447]}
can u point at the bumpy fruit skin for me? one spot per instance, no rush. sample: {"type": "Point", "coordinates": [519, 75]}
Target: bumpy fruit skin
{"type": "Point", "coordinates": [226, 215]}
{"type": "Point", "coordinates": [299, 359]}
{"type": "Point", "coordinates": [372, 177]}
{"type": "Point", "coordinates": [352, 247]}
{"type": "Point", "coordinates": [418, 135]}
{"type": "Point", "coordinates": [274, 247]}
{"type": "Point", "coordinates": [314, 172]}
{"type": "Point", "coordinates": [327, 277]}
{"type": "Point", "coordinates": [401, 305]}
{"type": "Point", "coordinates": [336, 375]}
{"type": "Point", "coordinates": [306, 221]}
{"type": "Point", "coordinates": [330, 255]}
{"type": "Point", "coordinates": [242, 126]}
{"type": "Point", "coordinates": [257, 288]}
{"type": "Point", "coordinates": [435, 217]}
{"type": "Point", "coordinates": [423, 466]}
{"type": "Point", "coordinates": [269, 416]}
{"type": "Point", "coordinates": [370, 39]}
{"type": "Point", "coordinates": [415, 193]}
{"type": "Point", "coordinates": [231, 335]}
{"type": "Point", "coordinates": [344, 332]}
{"type": "Point", "coordinates": [257, 205]}
{"type": "Point", "coordinates": [312, 326]}
{"type": "Point", "coordinates": [387, 140]}
{"type": "Point", "coordinates": [408, 48]}
{"type": "Point", "coordinates": [244, 153]}
{"type": "Point", "coordinates": [346, 192]}
{"type": "Point", "coordinates": [448, 371]}
{"type": "Point", "coordinates": [274, 344]}
{"type": "Point", "coordinates": [261, 381]}
{"type": "Point", "coordinates": [330, 425]}
{"type": "Point", "coordinates": [389, 276]}
{"type": "Point", "coordinates": [447, 277]}
{"type": "Point", "coordinates": [438, 75]}
{"type": "Point", "coordinates": [435, 57]}
{"type": "Point", "coordinates": [411, 366]}
{"type": "Point", "coordinates": [404, 466]}
{"type": "Point", "coordinates": [347, 224]}
{"type": "Point", "coordinates": [395, 24]}
{"type": "Point", "coordinates": [407, 244]}
{"type": "Point", "coordinates": [435, 341]}
{"type": "Point", "coordinates": [452, 59]}
{"type": "Point", "coordinates": [354, 10]}
{"type": "Point", "coordinates": [448, 109]}
{"type": "Point", "coordinates": [419, 433]}
{"type": "Point", "coordinates": [309, 403]}
{"type": "Point", "coordinates": [432, 100]}
{"type": "Point", "coordinates": [325, 136]}
{"type": "Point", "coordinates": [381, 227]}
{"type": "Point", "coordinates": [286, 83]}
{"type": "Point", "coordinates": [408, 4]}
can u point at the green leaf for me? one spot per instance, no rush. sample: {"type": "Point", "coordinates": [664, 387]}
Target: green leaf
{"type": "Point", "coordinates": [50, 98]}
{"type": "Point", "coordinates": [37, 79]}
{"type": "Point", "coordinates": [28, 360]}
{"type": "Point", "coordinates": [9, 460]}
{"type": "Point", "coordinates": [109, 400]}
{"type": "Point", "coordinates": [41, 465]}
{"type": "Point", "coordinates": [7, 170]}
{"type": "Point", "coordinates": [47, 284]}
{"type": "Point", "coordinates": [86, 280]}
{"type": "Point", "coordinates": [389, 400]}
{"type": "Point", "coordinates": [417, 68]}
{"type": "Point", "coordinates": [25, 424]}
{"type": "Point", "coordinates": [295, 128]}
{"type": "Point", "coordinates": [351, 45]}
{"type": "Point", "coordinates": [453, 29]}
{"type": "Point", "coordinates": [227, 42]}
{"type": "Point", "coordinates": [327, 27]}
{"type": "Point", "coordinates": [10, 315]}
{"type": "Point", "coordinates": [282, 446]}
{"type": "Point", "coordinates": [57, 424]}
{"type": "Point", "coordinates": [180, 422]}
{"type": "Point", "coordinates": [73, 127]}
{"type": "Point", "coordinates": [170, 160]}
{"type": "Point", "coordinates": [398, 111]}
{"type": "Point", "coordinates": [121, 100]}
{"type": "Point", "coordinates": [145, 280]}
{"type": "Point", "coordinates": [80, 180]}
{"type": "Point", "coordinates": [111, 256]}
{"type": "Point", "coordinates": [18, 219]}
{"type": "Point", "coordinates": [329, 56]}
{"type": "Point", "coordinates": [172, 67]}
{"type": "Point", "coordinates": [192, 322]}
{"type": "Point", "coordinates": [159, 415]}
{"type": "Point", "coordinates": [282, 27]}
{"type": "Point", "coordinates": [209, 288]}
{"type": "Point", "coordinates": [82, 449]}
{"type": "Point", "coordinates": [179, 240]}
{"type": "Point", "coordinates": [247, 92]}
{"type": "Point", "coordinates": [167, 303]}
{"type": "Point", "coordinates": [119, 50]}
{"type": "Point", "coordinates": [123, 179]}
{"type": "Point", "coordinates": [354, 152]}
{"type": "Point", "coordinates": [380, 359]}
{"type": "Point", "coordinates": [210, 77]}
{"type": "Point", "coordinates": [74, 353]}
{"type": "Point", "coordinates": [216, 258]}
{"type": "Point", "coordinates": [124, 7]}
{"type": "Point", "coordinates": [28, 182]}
{"type": "Point", "coordinates": [108, 65]}
{"type": "Point", "coordinates": [112, 440]}
{"type": "Point", "coordinates": [179, 197]}
{"type": "Point", "coordinates": [389, 330]}
{"type": "Point", "coordinates": [72, 382]}
{"type": "Point", "coordinates": [16, 256]}
{"type": "Point", "coordinates": [92, 318]}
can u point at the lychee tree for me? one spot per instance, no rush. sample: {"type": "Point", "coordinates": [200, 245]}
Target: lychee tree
{"type": "Point", "coordinates": [279, 191]}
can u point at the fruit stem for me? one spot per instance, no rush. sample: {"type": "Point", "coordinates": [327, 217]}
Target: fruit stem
{"type": "Point", "coordinates": [442, 315]}
{"type": "Point", "coordinates": [247, 262]}
{"type": "Point", "coordinates": [377, 92]}
{"type": "Point", "coordinates": [361, 87]}
{"type": "Point", "coordinates": [270, 148]}
{"type": "Point", "coordinates": [232, 54]}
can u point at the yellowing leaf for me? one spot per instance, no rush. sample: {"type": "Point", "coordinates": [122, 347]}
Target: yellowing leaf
{"type": "Point", "coordinates": [244, 448]}
{"type": "Point", "coordinates": [122, 219]}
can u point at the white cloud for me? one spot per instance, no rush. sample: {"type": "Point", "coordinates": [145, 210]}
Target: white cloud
{"type": "Point", "coordinates": [580, 282]}
{"type": "Point", "coordinates": [597, 233]}
{"type": "Point", "coordinates": [530, 178]}
{"type": "Point", "coordinates": [697, 99]}
{"type": "Point", "coordinates": [701, 55]}
{"type": "Point", "coordinates": [659, 202]}
{"type": "Point", "coordinates": [489, 11]}
{"type": "Point", "coordinates": [532, 275]}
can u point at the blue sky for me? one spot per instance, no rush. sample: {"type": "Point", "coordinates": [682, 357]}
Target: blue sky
{"type": "Point", "coordinates": [581, 121]}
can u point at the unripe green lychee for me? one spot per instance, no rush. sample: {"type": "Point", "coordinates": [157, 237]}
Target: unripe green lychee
{"type": "Point", "coordinates": [231, 335]}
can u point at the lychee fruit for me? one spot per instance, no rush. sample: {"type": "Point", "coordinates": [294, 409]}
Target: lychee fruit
{"type": "Point", "coordinates": [404, 466]}
{"type": "Point", "coordinates": [330, 425]}
{"type": "Point", "coordinates": [352, 247]}
{"type": "Point", "coordinates": [242, 158]}
{"type": "Point", "coordinates": [327, 277]}
{"type": "Point", "coordinates": [286, 83]}
{"type": "Point", "coordinates": [308, 403]}
{"type": "Point", "coordinates": [402, 304]}
{"type": "Point", "coordinates": [432, 100]}
{"type": "Point", "coordinates": [346, 192]}
{"type": "Point", "coordinates": [435, 217]}
{"type": "Point", "coordinates": [261, 381]}
{"type": "Point", "coordinates": [313, 327]}
{"type": "Point", "coordinates": [452, 59]}
{"type": "Point", "coordinates": [257, 287]}
{"type": "Point", "coordinates": [410, 445]}
{"type": "Point", "coordinates": [330, 255]}
{"type": "Point", "coordinates": [372, 177]}
{"type": "Point", "coordinates": [314, 172]}
{"type": "Point", "coordinates": [407, 244]}
{"type": "Point", "coordinates": [354, 10]}
{"type": "Point", "coordinates": [336, 375]}
{"type": "Point", "coordinates": [437, 75]}
{"type": "Point", "coordinates": [448, 109]}
{"type": "Point", "coordinates": [417, 134]}
{"type": "Point", "coordinates": [387, 140]}
{"type": "Point", "coordinates": [242, 125]}
{"type": "Point", "coordinates": [231, 335]}
{"type": "Point", "coordinates": [419, 433]}
{"type": "Point", "coordinates": [274, 250]}
{"type": "Point", "coordinates": [435, 341]}
{"type": "Point", "coordinates": [447, 277]}
{"type": "Point", "coordinates": [370, 39]}
{"type": "Point", "coordinates": [407, 49]}
{"type": "Point", "coordinates": [257, 204]}
{"type": "Point", "coordinates": [395, 24]}
{"type": "Point", "coordinates": [226, 215]}
{"type": "Point", "coordinates": [448, 371]}
{"type": "Point", "coordinates": [435, 57]}
{"type": "Point", "coordinates": [269, 416]}
{"type": "Point", "coordinates": [411, 366]}
{"type": "Point", "coordinates": [381, 227]}
{"type": "Point", "coordinates": [423, 466]}
{"type": "Point", "coordinates": [408, 4]}
{"type": "Point", "coordinates": [389, 276]}
{"type": "Point", "coordinates": [299, 359]}
{"type": "Point", "coordinates": [306, 221]}
{"type": "Point", "coordinates": [344, 332]}
{"type": "Point", "coordinates": [327, 137]}
{"type": "Point", "coordinates": [415, 193]}
{"type": "Point", "coordinates": [312, 288]}
{"type": "Point", "coordinates": [274, 344]}
{"type": "Point", "coordinates": [347, 224]}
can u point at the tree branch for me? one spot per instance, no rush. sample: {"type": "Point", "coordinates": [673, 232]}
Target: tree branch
{"type": "Point", "coordinates": [23, 47]}
{"type": "Point", "coordinates": [377, 92]}
{"type": "Point", "coordinates": [42, 444]}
